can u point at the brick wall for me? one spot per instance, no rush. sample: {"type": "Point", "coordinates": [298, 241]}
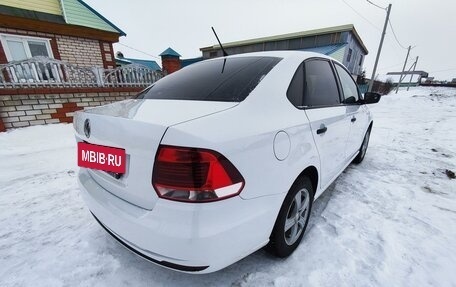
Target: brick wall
{"type": "Point", "coordinates": [28, 107]}
{"type": "Point", "coordinates": [80, 51]}
{"type": "Point", "coordinates": [2, 126]}
{"type": "Point", "coordinates": [75, 50]}
{"type": "Point", "coordinates": [170, 65]}
{"type": "Point", "coordinates": [107, 54]}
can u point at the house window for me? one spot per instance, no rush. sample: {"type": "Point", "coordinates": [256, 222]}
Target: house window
{"type": "Point", "coordinates": [361, 60]}
{"type": "Point", "coordinates": [350, 51]}
{"type": "Point", "coordinates": [19, 48]}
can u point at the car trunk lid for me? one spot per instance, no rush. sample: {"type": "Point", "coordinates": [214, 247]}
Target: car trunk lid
{"type": "Point", "coordinates": [138, 127]}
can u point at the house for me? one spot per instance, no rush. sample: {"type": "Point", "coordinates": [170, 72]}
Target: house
{"type": "Point", "coordinates": [341, 42]}
{"type": "Point", "coordinates": [122, 61]}
{"type": "Point", "coordinates": [56, 57]}
{"type": "Point", "coordinates": [67, 30]}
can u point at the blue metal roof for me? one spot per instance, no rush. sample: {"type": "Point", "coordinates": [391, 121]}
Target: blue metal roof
{"type": "Point", "coordinates": [187, 62]}
{"type": "Point", "coordinates": [326, 50]}
{"type": "Point", "coordinates": [148, 63]}
{"type": "Point", "coordinates": [170, 52]}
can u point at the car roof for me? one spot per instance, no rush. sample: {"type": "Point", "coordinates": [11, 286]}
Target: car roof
{"type": "Point", "coordinates": [282, 54]}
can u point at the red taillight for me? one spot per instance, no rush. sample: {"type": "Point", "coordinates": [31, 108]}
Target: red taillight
{"type": "Point", "coordinates": [194, 175]}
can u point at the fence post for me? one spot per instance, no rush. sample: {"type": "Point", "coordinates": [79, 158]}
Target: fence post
{"type": "Point", "coordinates": [99, 75]}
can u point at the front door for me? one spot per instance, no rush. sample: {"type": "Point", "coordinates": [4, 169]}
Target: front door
{"type": "Point", "coordinates": [356, 114]}
{"type": "Point", "coordinates": [327, 117]}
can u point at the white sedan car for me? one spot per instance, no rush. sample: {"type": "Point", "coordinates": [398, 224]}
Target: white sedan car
{"type": "Point", "coordinates": [223, 157]}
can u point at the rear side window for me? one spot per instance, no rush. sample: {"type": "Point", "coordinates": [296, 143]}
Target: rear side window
{"type": "Point", "coordinates": [296, 88]}
{"type": "Point", "coordinates": [226, 80]}
{"type": "Point", "coordinates": [320, 84]}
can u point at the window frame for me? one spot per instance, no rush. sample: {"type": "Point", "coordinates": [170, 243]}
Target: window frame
{"type": "Point", "coordinates": [349, 55]}
{"type": "Point", "coordinates": [336, 78]}
{"type": "Point", "coordinates": [341, 92]}
{"type": "Point", "coordinates": [24, 39]}
{"type": "Point", "coordinates": [339, 89]}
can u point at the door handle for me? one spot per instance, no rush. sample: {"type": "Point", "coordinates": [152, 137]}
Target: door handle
{"type": "Point", "coordinates": [322, 129]}
{"type": "Point", "coordinates": [353, 119]}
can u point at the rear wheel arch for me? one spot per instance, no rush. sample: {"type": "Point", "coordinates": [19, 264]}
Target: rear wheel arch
{"type": "Point", "coordinates": [278, 245]}
{"type": "Point", "coordinates": [312, 173]}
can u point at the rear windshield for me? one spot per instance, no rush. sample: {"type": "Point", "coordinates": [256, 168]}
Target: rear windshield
{"type": "Point", "coordinates": [225, 80]}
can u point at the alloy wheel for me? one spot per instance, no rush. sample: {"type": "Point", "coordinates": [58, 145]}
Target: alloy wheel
{"type": "Point", "coordinates": [297, 216]}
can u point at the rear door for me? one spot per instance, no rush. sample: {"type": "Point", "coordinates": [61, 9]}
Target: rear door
{"type": "Point", "coordinates": [356, 115]}
{"type": "Point", "coordinates": [326, 114]}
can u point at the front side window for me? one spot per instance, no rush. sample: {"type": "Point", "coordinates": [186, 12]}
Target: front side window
{"type": "Point", "coordinates": [18, 48]}
{"type": "Point", "coordinates": [225, 80]}
{"type": "Point", "coordinates": [320, 84]}
{"type": "Point", "coordinates": [349, 88]}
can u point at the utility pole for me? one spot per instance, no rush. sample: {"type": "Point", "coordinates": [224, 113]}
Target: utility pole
{"type": "Point", "coordinates": [403, 68]}
{"type": "Point", "coordinates": [380, 48]}
{"type": "Point", "coordinates": [411, 76]}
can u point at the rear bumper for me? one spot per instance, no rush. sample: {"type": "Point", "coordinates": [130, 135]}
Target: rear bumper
{"type": "Point", "coordinates": [137, 252]}
{"type": "Point", "coordinates": [189, 237]}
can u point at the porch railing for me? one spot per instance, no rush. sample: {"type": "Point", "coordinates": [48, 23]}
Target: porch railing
{"type": "Point", "coordinates": [130, 75]}
{"type": "Point", "coordinates": [46, 72]}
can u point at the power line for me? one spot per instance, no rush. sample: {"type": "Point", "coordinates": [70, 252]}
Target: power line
{"type": "Point", "coordinates": [372, 3]}
{"type": "Point", "coordinates": [380, 45]}
{"type": "Point", "coordinates": [138, 50]}
{"type": "Point", "coordinates": [390, 24]}
{"type": "Point", "coordinates": [452, 69]}
{"type": "Point", "coordinates": [395, 37]}
{"type": "Point", "coordinates": [359, 14]}
{"type": "Point", "coordinates": [384, 68]}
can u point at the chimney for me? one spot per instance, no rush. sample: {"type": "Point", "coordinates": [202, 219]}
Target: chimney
{"type": "Point", "coordinates": [170, 61]}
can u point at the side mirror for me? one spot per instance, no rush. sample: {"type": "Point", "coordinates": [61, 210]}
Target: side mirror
{"type": "Point", "coordinates": [371, 98]}
{"type": "Point", "coordinates": [350, 100]}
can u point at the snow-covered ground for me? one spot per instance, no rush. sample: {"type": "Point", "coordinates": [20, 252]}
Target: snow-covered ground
{"type": "Point", "coordinates": [390, 221]}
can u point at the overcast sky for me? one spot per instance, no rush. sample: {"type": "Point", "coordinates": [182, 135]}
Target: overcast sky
{"type": "Point", "coordinates": [185, 26]}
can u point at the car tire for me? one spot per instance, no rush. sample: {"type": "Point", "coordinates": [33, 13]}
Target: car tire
{"type": "Point", "coordinates": [363, 149]}
{"type": "Point", "coordinates": [292, 220]}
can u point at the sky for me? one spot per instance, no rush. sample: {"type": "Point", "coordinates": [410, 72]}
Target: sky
{"type": "Point", "coordinates": [152, 26]}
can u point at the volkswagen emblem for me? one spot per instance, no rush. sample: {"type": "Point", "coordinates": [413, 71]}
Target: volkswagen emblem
{"type": "Point", "coordinates": [87, 128]}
